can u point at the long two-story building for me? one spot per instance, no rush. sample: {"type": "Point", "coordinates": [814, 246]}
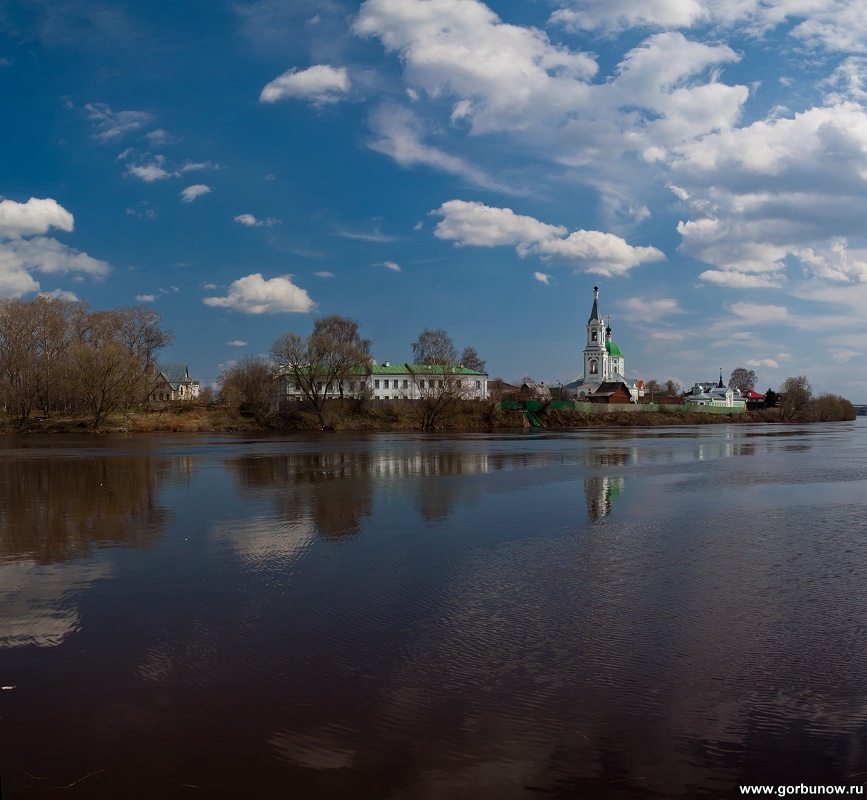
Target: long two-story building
{"type": "Point", "coordinates": [388, 381]}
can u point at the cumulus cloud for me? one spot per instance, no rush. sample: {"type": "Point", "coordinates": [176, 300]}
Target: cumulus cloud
{"type": "Point", "coordinates": [503, 77]}
{"type": "Point", "coordinates": [394, 267]}
{"type": "Point", "coordinates": [34, 216]}
{"type": "Point", "coordinates": [115, 124]}
{"type": "Point", "coordinates": [20, 256]}
{"type": "Point", "coordinates": [828, 24]}
{"type": "Point", "coordinates": [196, 190]}
{"type": "Point", "coordinates": [617, 15]}
{"type": "Point", "coordinates": [320, 84]}
{"type": "Point", "coordinates": [324, 274]}
{"type": "Point", "coordinates": [145, 298]}
{"type": "Point", "coordinates": [236, 343]}
{"type": "Point", "coordinates": [542, 278]}
{"type": "Point", "coordinates": [497, 71]}
{"type": "Point", "coordinates": [780, 187]}
{"type": "Point", "coordinates": [252, 222]}
{"type": "Point", "coordinates": [473, 223]}
{"type": "Point", "coordinates": [253, 294]}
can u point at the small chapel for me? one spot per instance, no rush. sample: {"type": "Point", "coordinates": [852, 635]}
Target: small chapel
{"type": "Point", "coordinates": [603, 378]}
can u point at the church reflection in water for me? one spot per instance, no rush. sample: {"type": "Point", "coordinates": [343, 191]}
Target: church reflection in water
{"type": "Point", "coordinates": [601, 491]}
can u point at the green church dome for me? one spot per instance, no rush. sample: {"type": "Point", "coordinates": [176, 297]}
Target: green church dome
{"type": "Point", "coordinates": [613, 350]}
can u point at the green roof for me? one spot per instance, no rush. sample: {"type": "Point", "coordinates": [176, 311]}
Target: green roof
{"type": "Point", "coordinates": [420, 369]}
{"type": "Point", "coordinates": [613, 350]}
{"type": "Point", "coordinates": [401, 369]}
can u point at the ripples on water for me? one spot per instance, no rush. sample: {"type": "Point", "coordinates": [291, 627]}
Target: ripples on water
{"type": "Point", "coordinates": [573, 614]}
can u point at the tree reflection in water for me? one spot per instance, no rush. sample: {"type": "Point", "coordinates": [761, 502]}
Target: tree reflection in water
{"type": "Point", "coordinates": [57, 509]}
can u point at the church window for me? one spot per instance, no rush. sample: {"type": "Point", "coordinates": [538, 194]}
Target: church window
{"type": "Point", "coordinates": [593, 334]}
{"type": "Point", "coordinates": [594, 366]}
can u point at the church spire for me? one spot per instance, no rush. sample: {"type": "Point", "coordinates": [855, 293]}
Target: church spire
{"type": "Point", "coordinates": [721, 386]}
{"type": "Point", "coordinates": [594, 314]}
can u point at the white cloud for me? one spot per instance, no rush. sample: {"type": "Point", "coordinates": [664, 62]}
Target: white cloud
{"type": "Point", "coordinates": [398, 134]}
{"type": "Point", "coordinates": [542, 278]}
{"type": "Point", "coordinates": [19, 256]}
{"type": "Point", "coordinates": [191, 166]}
{"type": "Point", "coordinates": [60, 294]}
{"type": "Point", "coordinates": [324, 274]}
{"type": "Point", "coordinates": [460, 48]}
{"type": "Point", "coordinates": [158, 136]}
{"type": "Point", "coordinates": [843, 356]}
{"type": "Point", "coordinates": [149, 172]}
{"type": "Point", "coordinates": [507, 78]}
{"type": "Point", "coordinates": [756, 314]}
{"type": "Point", "coordinates": [145, 298]}
{"type": "Point", "coordinates": [34, 216]}
{"type": "Point", "coordinates": [646, 309]}
{"type": "Point", "coordinates": [115, 124]}
{"type": "Point", "coordinates": [237, 343]}
{"type": "Point", "coordinates": [156, 170]}
{"type": "Point", "coordinates": [391, 265]}
{"type": "Point", "coordinates": [253, 294]}
{"type": "Point", "coordinates": [320, 84]}
{"type": "Point", "coordinates": [763, 362]}
{"type": "Point", "coordinates": [616, 15]}
{"type": "Point", "coordinates": [252, 222]}
{"type": "Point", "coordinates": [781, 187]}
{"type": "Point", "coordinates": [196, 190]}
{"type": "Point", "coordinates": [473, 223]}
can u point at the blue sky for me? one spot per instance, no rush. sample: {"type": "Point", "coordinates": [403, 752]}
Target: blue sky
{"type": "Point", "coordinates": [247, 166]}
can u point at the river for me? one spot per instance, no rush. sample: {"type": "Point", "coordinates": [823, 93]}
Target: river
{"type": "Point", "coordinates": [611, 613]}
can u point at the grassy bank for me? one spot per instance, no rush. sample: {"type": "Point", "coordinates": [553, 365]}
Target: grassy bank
{"type": "Point", "coordinates": [346, 416]}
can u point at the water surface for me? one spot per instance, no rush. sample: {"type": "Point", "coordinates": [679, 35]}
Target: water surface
{"type": "Point", "coordinates": [644, 613]}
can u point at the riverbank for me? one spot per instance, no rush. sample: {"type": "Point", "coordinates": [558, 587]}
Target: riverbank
{"type": "Point", "coordinates": [205, 418]}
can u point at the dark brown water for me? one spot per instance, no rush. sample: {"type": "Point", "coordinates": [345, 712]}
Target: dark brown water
{"type": "Point", "coordinates": [612, 614]}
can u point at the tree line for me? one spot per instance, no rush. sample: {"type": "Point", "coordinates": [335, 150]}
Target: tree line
{"type": "Point", "coordinates": [331, 363]}
{"type": "Point", "coordinates": [59, 356]}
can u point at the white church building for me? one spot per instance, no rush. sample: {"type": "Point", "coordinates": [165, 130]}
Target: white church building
{"type": "Point", "coordinates": [603, 359]}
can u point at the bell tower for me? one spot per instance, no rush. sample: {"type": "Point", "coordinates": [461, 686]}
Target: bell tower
{"type": "Point", "coordinates": [595, 353]}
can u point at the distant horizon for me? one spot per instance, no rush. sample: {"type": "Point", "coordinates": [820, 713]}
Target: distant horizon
{"type": "Point", "coordinates": [246, 167]}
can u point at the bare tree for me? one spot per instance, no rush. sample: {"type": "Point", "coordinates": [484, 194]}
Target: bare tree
{"type": "Point", "coordinates": [18, 367]}
{"type": "Point", "coordinates": [434, 346]}
{"type": "Point", "coordinates": [105, 377]}
{"type": "Point", "coordinates": [470, 359]}
{"type": "Point", "coordinates": [671, 388]}
{"type": "Point", "coordinates": [795, 396]}
{"type": "Point", "coordinates": [140, 330]}
{"type": "Point", "coordinates": [440, 383]}
{"type": "Point", "coordinates": [348, 344]}
{"type": "Point", "coordinates": [743, 379]}
{"type": "Point", "coordinates": [248, 385]}
{"type": "Point", "coordinates": [321, 362]}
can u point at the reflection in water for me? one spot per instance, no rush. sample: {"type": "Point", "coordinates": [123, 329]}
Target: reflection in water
{"type": "Point", "coordinates": [35, 602]}
{"type": "Point", "coordinates": [384, 618]}
{"type": "Point", "coordinates": [601, 493]}
{"type": "Point", "coordinates": [55, 513]}
{"type": "Point", "coordinates": [57, 509]}
{"type": "Point", "coordinates": [333, 491]}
